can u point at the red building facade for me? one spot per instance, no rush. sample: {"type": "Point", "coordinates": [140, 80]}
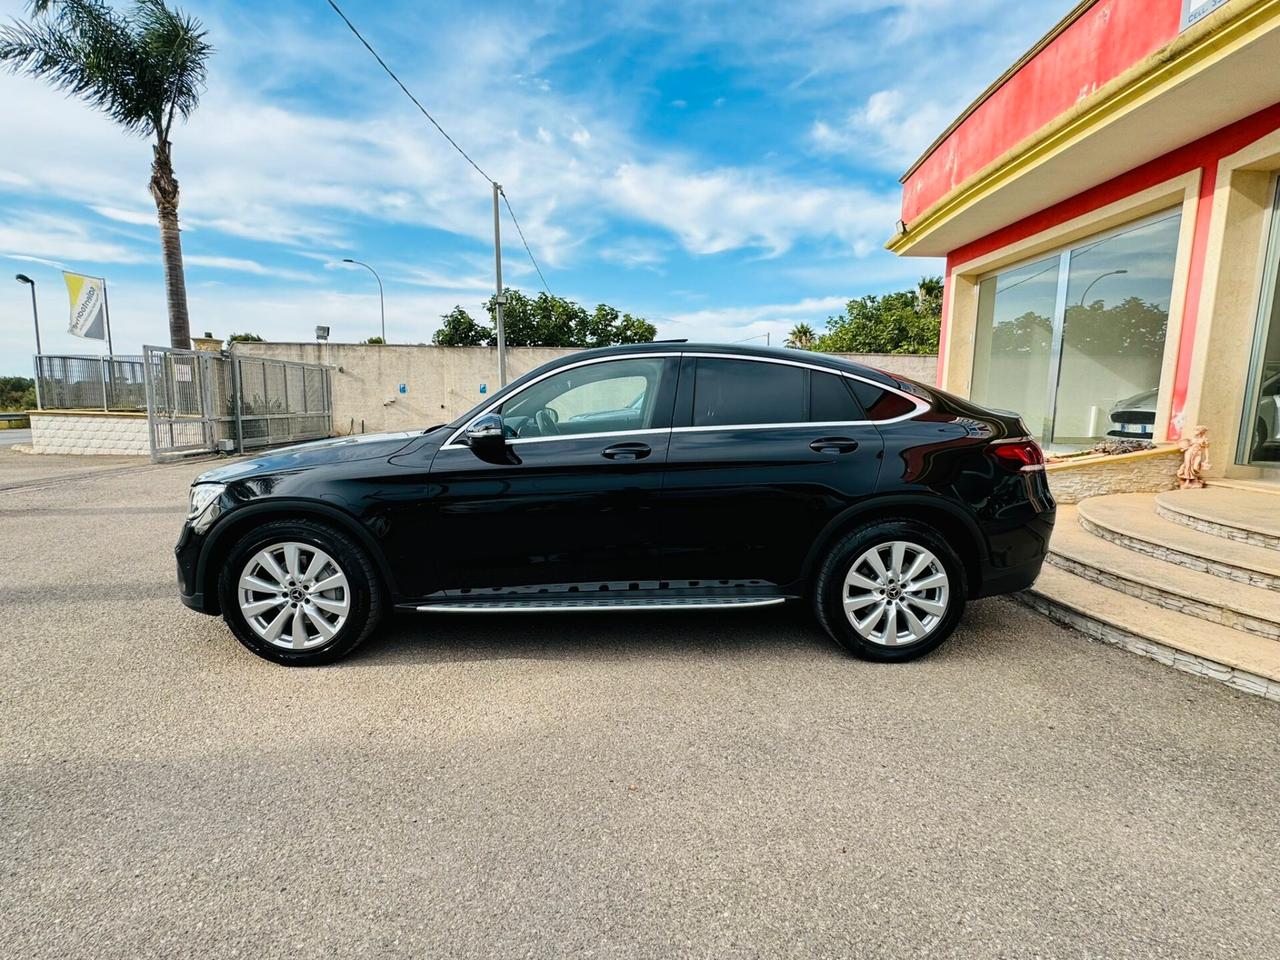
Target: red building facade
{"type": "Point", "coordinates": [1108, 214]}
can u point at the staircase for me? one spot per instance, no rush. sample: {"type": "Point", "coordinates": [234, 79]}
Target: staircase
{"type": "Point", "coordinates": [1190, 578]}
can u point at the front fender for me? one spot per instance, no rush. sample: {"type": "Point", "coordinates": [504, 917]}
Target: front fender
{"type": "Point", "coordinates": [223, 535]}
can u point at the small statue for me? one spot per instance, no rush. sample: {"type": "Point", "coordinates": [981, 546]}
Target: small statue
{"type": "Point", "coordinates": [1195, 459]}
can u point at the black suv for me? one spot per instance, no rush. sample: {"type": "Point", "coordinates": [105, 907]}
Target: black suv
{"type": "Point", "coordinates": [658, 476]}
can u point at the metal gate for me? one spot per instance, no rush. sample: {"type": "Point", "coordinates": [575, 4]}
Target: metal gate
{"type": "Point", "coordinates": [200, 402]}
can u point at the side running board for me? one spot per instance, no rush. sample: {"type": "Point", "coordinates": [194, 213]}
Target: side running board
{"type": "Point", "coordinates": [593, 604]}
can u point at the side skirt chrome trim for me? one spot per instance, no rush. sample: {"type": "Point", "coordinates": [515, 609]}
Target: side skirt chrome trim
{"type": "Point", "coordinates": [559, 606]}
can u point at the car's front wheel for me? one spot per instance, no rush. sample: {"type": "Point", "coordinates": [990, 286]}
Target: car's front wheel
{"type": "Point", "coordinates": [299, 592]}
{"type": "Point", "coordinates": [891, 590]}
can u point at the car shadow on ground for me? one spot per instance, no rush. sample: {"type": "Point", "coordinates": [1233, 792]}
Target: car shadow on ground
{"type": "Point", "coordinates": [784, 631]}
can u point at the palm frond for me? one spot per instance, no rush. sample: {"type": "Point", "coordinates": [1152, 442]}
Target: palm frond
{"type": "Point", "coordinates": [142, 70]}
{"type": "Point", "coordinates": [83, 48]}
{"type": "Point", "coordinates": [175, 52]}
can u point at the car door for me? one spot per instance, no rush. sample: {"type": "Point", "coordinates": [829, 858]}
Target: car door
{"type": "Point", "coordinates": [574, 502]}
{"type": "Point", "coordinates": [764, 453]}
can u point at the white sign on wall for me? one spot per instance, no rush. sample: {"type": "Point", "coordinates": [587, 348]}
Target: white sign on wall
{"type": "Point", "coordinates": [1193, 11]}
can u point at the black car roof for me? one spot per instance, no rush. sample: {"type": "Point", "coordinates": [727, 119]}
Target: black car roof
{"type": "Point", "coordinates": [737, 349]}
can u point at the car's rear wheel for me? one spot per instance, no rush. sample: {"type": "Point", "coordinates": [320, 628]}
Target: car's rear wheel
{"type": "Point", "coordinates": [891, 590]}
{"type": "Point", "coordinates": [299, 592]}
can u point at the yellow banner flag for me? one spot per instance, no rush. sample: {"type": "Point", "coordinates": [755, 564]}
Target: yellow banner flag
{"type": "Point", "coordinates": [88, 306]}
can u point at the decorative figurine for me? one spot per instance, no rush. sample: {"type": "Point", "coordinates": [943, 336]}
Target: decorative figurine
{"type": "Point", "coordinates": [1195, 459]}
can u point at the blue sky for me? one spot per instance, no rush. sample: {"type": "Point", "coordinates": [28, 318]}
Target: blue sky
{"type": "Point", "coordinates": [723, 168]}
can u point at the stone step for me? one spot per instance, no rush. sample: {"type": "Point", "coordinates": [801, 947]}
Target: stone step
{"type": "Point", "coordinates": [1130, 520]}
{"type": "Point", "coordinates": [1271, 487]}
{"type": "Point", "coordinates": [1210, 650]}
{"type": "Point", "coordinates": [1227, 512]}
{"type": "Point", "coordinates": [1254, 610]}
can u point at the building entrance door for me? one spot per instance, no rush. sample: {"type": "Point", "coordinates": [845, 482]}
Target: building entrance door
{"type": "Point", "coordinates": [1260, 428]}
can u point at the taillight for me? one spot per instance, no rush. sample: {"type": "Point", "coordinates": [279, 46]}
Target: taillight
{"type": "Point", "coordinates": [1018, 455]}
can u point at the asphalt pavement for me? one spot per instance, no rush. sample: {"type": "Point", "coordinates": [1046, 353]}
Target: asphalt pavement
{"type": "Point", "coordinates": [656, 785]}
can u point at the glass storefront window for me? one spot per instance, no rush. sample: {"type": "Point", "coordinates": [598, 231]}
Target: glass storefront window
{"type": "Point", "coordinates": [1117, 309]}
{"type": "Point", "coordinates": [1260, 433]}
{"type": "Point", "coordinates": [1075, 342]}
{"type": "Point", "coordinates": [1014, 340]}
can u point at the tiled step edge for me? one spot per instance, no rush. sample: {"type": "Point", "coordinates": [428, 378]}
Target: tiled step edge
{"type": "Point", "coordinates": [1224, 530]}
{"type": "Point", "coordinates": [1160, 551]}
{"type": "Point", "coordinates": [1169, 599]}
{"type": "Point", "coordinates": [1115, 636]}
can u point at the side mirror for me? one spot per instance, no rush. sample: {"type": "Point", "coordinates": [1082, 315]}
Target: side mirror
{"type": "Point", "coordinates": [487, 437]}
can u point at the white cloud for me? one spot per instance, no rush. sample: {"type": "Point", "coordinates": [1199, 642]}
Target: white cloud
{"type": "Point", "coordinates": [890, 126]}
{"type": "Point", "coordinates": [140, 218]}
{"type": "Point", "coordinates": [633, 252]}
{"type": "Point", "coordinates": [50, 237]}
{"type": "Point", "coordinates": [728, 209]}
{"type": "Point", "coordinates": [736, 324]}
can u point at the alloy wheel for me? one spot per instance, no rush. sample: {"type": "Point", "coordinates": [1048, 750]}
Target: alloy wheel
{"type": "Point", "coordinates": [896, 593]}
{"type": "Point", "coordinates": [294, 595]}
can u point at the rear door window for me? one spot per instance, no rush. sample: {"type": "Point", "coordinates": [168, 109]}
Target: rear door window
{"type": "Point", "coordinates": [747, 392]}
{"type": "Point", "coordinates": [831, 400]}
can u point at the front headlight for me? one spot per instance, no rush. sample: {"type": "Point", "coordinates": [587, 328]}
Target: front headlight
{"type": "Point", "coordinates": [203, 496]}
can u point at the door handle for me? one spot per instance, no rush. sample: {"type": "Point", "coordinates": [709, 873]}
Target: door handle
{"type": "Point", "coordinates": [626, 451]}
{"type": "Point", "coordinates": [833, 445]}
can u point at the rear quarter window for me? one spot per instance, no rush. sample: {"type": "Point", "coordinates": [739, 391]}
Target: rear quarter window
{"type": "Point", "coordinates": [880, 404]}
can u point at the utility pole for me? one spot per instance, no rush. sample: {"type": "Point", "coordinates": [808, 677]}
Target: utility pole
{"type": "Point", "coordinates": [500, 300]}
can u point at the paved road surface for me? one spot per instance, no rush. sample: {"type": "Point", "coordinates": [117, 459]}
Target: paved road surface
{"type": "Point", "coordinates": [647, 786]}
{"type": "Point", "coordinates": [10, 437]}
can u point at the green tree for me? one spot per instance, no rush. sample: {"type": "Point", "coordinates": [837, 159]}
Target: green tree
{"type": "Point", "coordinates": [461, 330]}
{"type": "Point", "coordinates": [243, 338]}
{"type": "Point", "coordinates": [544, 321]}
{"type": "Point", "coordinates": [903, 322]}
{"type": "Point", "coordinates": [634, 330]}
{"type": "Point", "coordinates": [374, 341]}
{"type": "Point", "coordinates": [801, 337]}
{"type": "Point", "coordinates": [144, 69]}
{"type": "Point", "coordinates": [17, 393]}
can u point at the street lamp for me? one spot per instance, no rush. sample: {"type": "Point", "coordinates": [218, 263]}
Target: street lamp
{"type": "Point", "coordinates": [35, 314]}
{"type": "Point", "coordinates": [35, 318]}
{"type": "Point", "coordinates": [382, 304]}
{"type": "Point", "coordinates": [1095, 280]}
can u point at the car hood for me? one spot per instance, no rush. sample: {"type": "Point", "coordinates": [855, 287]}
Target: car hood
{"type": "Point", "coordinates": [365, 446]}
{"type": "Point", "coordinates": [1145, 401]}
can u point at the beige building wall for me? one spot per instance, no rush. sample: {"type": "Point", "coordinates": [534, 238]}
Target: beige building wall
{"type": "Point", "coordinates": [442, 383]}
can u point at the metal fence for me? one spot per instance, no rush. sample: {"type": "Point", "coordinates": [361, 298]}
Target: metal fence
{"type": "Point", "coordinates": [204, 402]}
{"type": "Point", "coordinates": [65, 382]}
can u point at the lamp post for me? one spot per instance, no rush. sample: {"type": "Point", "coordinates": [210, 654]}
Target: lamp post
{"type": "Point", "coordinates": [1100, 276]}
{"type": "Point", "coordinates": [382, 304]}
{"type": "Point", "coordinates": [35, 313]}
{"type": "Point", "coordinates": [35, 319]}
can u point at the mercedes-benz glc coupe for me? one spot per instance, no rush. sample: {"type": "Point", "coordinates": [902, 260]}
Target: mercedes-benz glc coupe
{"type": "Point", "coordinates": [629, 479]}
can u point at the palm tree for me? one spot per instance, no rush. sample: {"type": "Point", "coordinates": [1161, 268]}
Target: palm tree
{"type": "Point", "coordinates": [144, 69]}
{"type": "Point", "coordinates": [801, 337]}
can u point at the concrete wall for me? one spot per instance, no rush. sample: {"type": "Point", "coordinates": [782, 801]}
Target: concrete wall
{"type": "Point", "coordinates": [914, 367]}
{"type": "Point", "coordinates": [85, 432]}
{"type": "Point", "coordinates": [443, 382]}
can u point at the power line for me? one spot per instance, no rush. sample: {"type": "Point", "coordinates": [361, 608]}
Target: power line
{"type": "Point", "coordinates": [435, 123]}
{"type": "Point", "coordinates": [523, 240]}
{"type": "Point", "coordinates": [392, 75]}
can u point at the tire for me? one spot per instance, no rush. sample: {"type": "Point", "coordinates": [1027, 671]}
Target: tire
{"type": "Point", "coordinates": [931, 610]}
{"type": "Point", "coordinates": [311, 626]}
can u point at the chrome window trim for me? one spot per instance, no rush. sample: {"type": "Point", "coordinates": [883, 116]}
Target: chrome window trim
{"type": "Point", "coordinates": [920, 404]}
